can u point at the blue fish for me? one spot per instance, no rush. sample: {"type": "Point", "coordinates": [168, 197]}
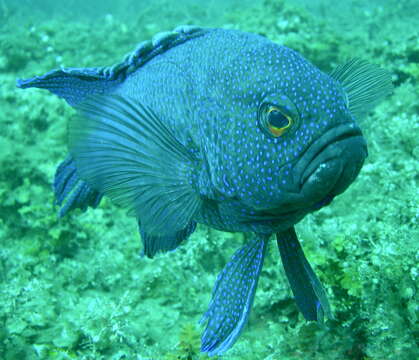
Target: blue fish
{"type": "Point", "coordinates": [222, 128]}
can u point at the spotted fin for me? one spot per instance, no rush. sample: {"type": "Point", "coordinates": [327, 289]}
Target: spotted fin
{"type": "Point", "coordinates": [232, 297]}
{"type": "Point", "coordinates": [71, 84]}
{"type": "Point", "coordinates": [76, 84]}
{"type": "Point", "coordinates": [364, 84]}
{"type": "Point", "coordinates": [70, 191]}
{"type": "Point", "coordinates": [308, 292]}
{"type": "Point", "coordinates": [123, 150]}
{"type": "Point", "coordinates": [155, 244]}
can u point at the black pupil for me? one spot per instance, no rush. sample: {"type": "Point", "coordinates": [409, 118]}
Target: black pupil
{"type": "Point", "coordinates": [277, 119]}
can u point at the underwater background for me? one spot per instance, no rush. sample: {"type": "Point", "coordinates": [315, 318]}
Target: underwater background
{"type": "Point", "coordinates": [77, 288]}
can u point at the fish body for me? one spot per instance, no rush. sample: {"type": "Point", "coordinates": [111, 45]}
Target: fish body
{"type": "Point", "coordinates": [223, 128]}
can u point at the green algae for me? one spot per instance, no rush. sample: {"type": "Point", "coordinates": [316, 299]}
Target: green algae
{"type": "Point", "coordinates": [76, 288]}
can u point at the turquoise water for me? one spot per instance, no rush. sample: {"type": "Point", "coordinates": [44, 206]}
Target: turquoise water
{"type": "Point", "coordinates": [77, 288]}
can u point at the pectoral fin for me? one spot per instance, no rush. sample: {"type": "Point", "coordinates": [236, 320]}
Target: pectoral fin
{"type": "Point", "coordinates": [123, 150]}
{"type": "Point", "coordinates": [364, 84]}
{"type": "Point", "coordinates": [154, 244]}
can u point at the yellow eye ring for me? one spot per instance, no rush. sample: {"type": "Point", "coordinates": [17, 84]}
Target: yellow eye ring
{"type": "Point", "coordinates": [277, 121]}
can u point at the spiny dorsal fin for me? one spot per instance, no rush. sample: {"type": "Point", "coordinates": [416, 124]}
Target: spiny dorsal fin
{"type": "Point", "coordinates": [365, 85]}
{"type": "Point", "coordinates": [148, 49]}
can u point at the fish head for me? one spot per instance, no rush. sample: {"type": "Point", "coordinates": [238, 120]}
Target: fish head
{"type": "Point", "coordinates": [317, 149]}
{"type": "Point", "coordinates": [290, 144]}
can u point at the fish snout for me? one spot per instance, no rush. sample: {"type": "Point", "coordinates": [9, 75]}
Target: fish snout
{"type": "Point", "coordinates": [330, 164]}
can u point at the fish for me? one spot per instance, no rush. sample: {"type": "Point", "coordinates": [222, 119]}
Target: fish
{"type": "Point", "coordinates": [223, 128]}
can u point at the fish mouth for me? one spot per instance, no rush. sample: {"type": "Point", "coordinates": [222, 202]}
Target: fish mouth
{"type": "Point", "coordinates": [330, 164]}
{"type": "Point", "coordinates": [325, 169]}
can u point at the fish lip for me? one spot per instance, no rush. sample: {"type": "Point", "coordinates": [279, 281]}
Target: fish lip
{"type": "Point", "coordinates": [307, 165]}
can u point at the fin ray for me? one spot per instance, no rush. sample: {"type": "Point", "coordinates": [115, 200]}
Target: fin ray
{"type": "Point", "coordinates": [365, 85]}
{"type": "Point", "coordinates": [122, 149]}
{"type": "Point", "coordinates": [155, 244]}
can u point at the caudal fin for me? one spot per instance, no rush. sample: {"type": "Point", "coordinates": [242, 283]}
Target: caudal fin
{"type": "Point", "coordinates": [70, 191]}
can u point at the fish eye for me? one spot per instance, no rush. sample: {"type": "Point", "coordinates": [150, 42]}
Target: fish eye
{"type": "Point", "coordinates": [275, 121]}
{"type": "Point", "coordinates": [278, 122]}
{"type": "Point", "coordinates": [277, 115]}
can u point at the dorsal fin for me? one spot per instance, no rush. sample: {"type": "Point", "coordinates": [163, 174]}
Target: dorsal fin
{"type": "Point", "coordinates": [75, 84]}
{"type": "Point", "coordinates": [148, 49]}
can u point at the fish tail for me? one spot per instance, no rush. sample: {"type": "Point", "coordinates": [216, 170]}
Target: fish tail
{"type": "Point", "coordinates": [70, 191]}
{"type": "Point", "coordinates": [309, 294]}
{"type": "Point", "coordinates": [232, 297]}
